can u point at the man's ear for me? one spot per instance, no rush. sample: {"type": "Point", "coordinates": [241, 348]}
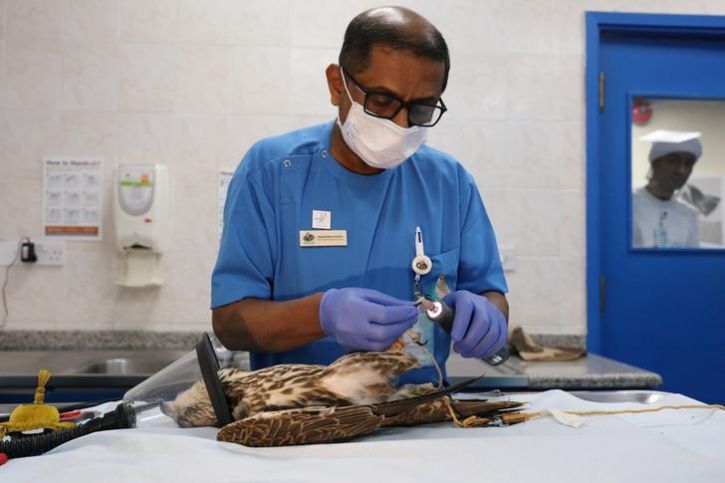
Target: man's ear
{"type": "Point", "coordinates": [334, 84]}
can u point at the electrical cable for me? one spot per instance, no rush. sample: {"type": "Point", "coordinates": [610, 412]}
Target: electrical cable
{"type": "Point", "coordinates": [6, 310]}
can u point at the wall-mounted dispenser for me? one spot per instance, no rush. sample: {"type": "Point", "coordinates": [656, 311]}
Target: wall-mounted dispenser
{"type": "Point", "coordinates": [142, 217]}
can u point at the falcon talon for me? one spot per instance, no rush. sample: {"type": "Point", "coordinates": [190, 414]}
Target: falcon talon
{"type": "Point", "coordinates": [497, 422]}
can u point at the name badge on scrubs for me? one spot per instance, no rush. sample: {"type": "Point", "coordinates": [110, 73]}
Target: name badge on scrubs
{"type": "Point", "coordinates": [323, 238]}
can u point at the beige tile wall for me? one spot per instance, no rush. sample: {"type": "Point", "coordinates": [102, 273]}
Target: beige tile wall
{"type": "Point", "coordinates": [191, 84]}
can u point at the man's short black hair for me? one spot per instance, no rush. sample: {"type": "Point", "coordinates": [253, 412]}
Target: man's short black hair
{"type": "Point", "coordinates": [366, 31]}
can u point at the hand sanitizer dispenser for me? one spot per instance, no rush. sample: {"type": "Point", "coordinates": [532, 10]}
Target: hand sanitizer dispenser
{"type": "Point", "coordinates": [141, 212]}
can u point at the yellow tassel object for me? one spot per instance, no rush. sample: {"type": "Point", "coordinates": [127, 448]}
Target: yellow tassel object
{"type": "Point", "coordinates": [38, 415]}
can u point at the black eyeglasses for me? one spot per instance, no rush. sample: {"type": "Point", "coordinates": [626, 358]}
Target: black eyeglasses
{"type": "Point", "coordinates": [387, 106]}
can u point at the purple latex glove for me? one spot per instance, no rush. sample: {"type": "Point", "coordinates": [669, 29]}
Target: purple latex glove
{"type": "Point", "coordinates": [479, 327]}
{"type": "Point", "coordinates": [365, 319]}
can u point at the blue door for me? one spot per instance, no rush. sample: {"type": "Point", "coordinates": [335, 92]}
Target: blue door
{"type": "Point", "coordinates": [659, 309]}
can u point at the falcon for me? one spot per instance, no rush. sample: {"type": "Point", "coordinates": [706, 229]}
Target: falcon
{"type": "Point", "coordinates": [292, 404]}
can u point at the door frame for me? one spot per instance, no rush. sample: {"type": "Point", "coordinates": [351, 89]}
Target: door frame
{"type": "Point", "coordinates": [635, 25]}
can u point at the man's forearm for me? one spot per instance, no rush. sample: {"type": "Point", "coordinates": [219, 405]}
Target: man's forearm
{"type": "Point", "coordinates": [267, 326]}
{"type": "Point", "coordinates": [499, 300]}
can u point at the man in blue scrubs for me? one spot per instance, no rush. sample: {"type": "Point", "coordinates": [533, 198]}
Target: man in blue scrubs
{"type": "Point", "coordinates": [322, 225]}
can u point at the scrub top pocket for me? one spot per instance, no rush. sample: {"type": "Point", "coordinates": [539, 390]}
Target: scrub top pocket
{"type": "Point", "coordinates": [443, 276]}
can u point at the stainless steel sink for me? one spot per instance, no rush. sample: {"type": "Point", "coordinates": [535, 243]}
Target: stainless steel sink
{"type": "Point", "coordinates": [91, 374]}
{"type": "Point", "coordinates": [643, 397]}
{"type": "Point", "coordinates": [124, 366]}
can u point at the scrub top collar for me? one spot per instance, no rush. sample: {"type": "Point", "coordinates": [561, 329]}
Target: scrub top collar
{"type": "Point", "coordinates": [324, 154]}
{"type": "Point", "coordinates": [659, 200]}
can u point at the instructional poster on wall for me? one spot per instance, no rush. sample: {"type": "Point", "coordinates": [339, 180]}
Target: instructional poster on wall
{"type": "Point", "coordinates": [72, 198]}
{"type": "Point", "coordinates": [225, 177]}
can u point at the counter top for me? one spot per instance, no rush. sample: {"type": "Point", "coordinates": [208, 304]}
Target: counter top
{"type": "Point", "coordinates": [30, 340]}
{"type": "Point", "coordinates": [90, 368]}
{"type": "Point", "coordinates": [589, 372]}
{"type": "Point", "coordinates": [68, 351]}
{"type": "Point", "coordinates": [177, 340]}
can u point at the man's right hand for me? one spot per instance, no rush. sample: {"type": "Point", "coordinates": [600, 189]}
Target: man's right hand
{"type": "Point", "coordinates": [365, 319]}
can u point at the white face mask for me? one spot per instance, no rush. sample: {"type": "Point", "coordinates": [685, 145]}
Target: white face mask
{"type": "Point", "coordinates": [379, 142]}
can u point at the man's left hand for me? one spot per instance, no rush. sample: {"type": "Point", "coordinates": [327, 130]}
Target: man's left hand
{"type": "Point", "coordinates": [479, 327]}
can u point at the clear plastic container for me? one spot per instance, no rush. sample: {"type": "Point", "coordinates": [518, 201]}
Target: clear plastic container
{"type": "Point", "coordinates": [143, 404]}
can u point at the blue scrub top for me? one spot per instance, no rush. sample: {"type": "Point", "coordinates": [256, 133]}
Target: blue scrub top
{"type": "Point", "coordinates": [272, 195]}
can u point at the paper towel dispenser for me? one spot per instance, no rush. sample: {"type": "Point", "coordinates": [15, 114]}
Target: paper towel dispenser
{"type": "Point", "coordinates": [142, 218]}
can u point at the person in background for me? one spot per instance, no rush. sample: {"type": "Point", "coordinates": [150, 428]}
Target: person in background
{"type": "Point", "coordinates": [321, 225]}
{"type": "Point", "coordinates": [659, 219]}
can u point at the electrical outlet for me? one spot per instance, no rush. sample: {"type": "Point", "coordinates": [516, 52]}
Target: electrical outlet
{"type": "Point", "coordinates": [50, 253]}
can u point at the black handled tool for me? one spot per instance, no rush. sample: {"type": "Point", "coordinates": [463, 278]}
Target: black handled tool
{"type": "Point", "coordinates": [443, 315]}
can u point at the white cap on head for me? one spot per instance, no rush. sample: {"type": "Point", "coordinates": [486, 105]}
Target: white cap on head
{"type": "Point", "coordinates": [666, 142]}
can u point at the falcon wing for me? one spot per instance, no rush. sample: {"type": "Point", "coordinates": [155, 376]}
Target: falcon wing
{"type": "Point", "coordinates": [309, 425]}
{"type": "Point", "coordinates": [431, 408]}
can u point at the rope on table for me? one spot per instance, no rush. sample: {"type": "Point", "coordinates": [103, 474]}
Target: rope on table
{"type": "Point", "coordinates": [518, 417]}
{"type": "Point", "coordinates": [602, 412]}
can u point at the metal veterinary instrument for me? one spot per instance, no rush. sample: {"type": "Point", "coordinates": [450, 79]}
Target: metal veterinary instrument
{"type": "Point", "coordinates": [439, 312]}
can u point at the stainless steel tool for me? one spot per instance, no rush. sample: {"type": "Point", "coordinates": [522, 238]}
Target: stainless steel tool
{"type": "Point", "coordinates": [440, 313]}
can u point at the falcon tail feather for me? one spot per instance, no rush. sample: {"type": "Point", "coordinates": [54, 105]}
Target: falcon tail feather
{"type": "Point", "coordinates": [395, 407]}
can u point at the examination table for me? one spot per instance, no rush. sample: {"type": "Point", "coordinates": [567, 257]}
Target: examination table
{"type": "Point", "coordinates": [669, 445]}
